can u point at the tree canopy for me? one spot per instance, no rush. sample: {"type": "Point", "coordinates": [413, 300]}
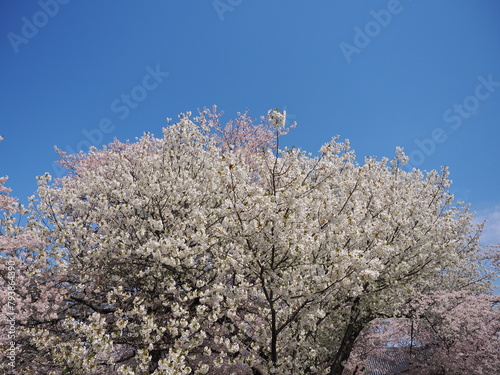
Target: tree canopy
{"type": "Point", "coordinates": [212, 250]}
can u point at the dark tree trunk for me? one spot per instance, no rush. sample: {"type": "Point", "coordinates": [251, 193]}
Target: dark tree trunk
{"type": "Point", "coordinates": [356, 324]}
{"type": "Point", "coordinates": [351, 334]}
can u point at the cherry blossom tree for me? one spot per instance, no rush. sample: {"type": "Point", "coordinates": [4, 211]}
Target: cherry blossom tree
{"type": "Point", "coordinates": [454, 330]}
{"type": "Point", "coordinates": [444, 334]}
{"type": "Point", "coordinates": [460, 329]}
{"type": "Point", "coordinates": [212, 250]}
{"type": "Point", "coordinates": [461, 333]}
{"type": "Point", "coordinates": [25, 292]}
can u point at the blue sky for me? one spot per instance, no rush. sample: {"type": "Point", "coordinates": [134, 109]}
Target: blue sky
{"type": "Point", "coordinates": [423, 75]}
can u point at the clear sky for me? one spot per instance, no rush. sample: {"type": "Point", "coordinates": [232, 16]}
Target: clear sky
{"type": "Point", "coordinates": [424, 75]}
